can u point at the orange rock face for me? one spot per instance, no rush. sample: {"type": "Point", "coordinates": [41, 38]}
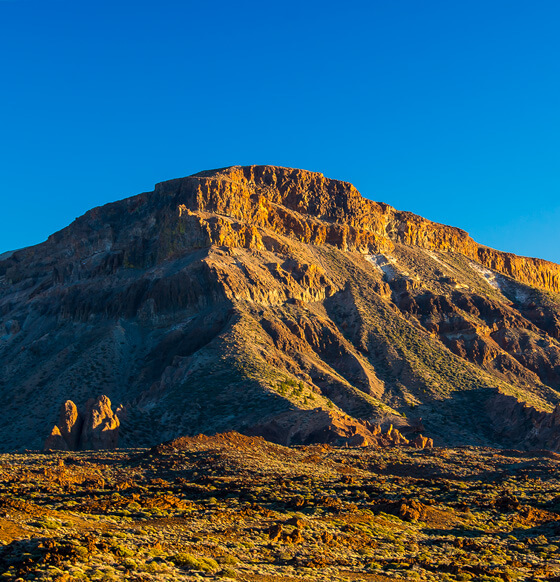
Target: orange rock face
{"type": "Point", "coordinates": [313, 209]}
{"type": "Point", "coordinates": [55, 442]}
{"type": "Point", "coordinates": [70, 424]}
{"type": "Point", "coordinates": [95, 428]}
{"type": "Point", "coordinates": [101, 425]}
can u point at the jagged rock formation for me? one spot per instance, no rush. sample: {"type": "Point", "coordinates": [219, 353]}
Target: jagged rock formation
{"type": "Point", "coordinates": [239, 298]}
{"type": "Point", "coordinates": [94, 428]}
{"type": "Point", "coordinates": [329, 212]}
{"type": "Point", "coordinates": [70, 425]}
{"type": "Point", "coordinates": [422, 442]}
{"type": "Point", "coordinates": [55, 441]}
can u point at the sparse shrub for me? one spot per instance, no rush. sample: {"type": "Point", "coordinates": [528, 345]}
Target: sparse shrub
{"type": "Point", "coordinates": [373, 565]}
{"type": "Point", "coordinates": [122, 551]}
{"type": "Point", "coordinates": [130, 564]}
{"type": "Point", "coordinates": [81, 552]}
{"type": "Point", "coordinates": [154, 567]}
{"type": "Point", "coordinates": [46, 523]}
{"type": "Point", "coordinates": [190, 562]}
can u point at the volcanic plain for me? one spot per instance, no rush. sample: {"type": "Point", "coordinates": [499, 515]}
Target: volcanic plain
{"type": "Point", "coordinates": [241, 508]}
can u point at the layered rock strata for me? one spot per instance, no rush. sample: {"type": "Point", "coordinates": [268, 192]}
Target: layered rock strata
{"type": "Point", "coordinates": [233, 207]}
{"type": "Point", "coordinates": [316, 210]}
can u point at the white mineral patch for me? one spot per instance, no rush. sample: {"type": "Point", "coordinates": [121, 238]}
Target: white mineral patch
{"type": "Point", "coordinates": [521, 292]}
{"type": "Point", "coordinates": [386, 264]}
{"type": "Point", "coordinates": [492, 278]}
{"type": "Point", "coordinates": [466, 334]}
{"type": "Point", "coordinates": [510, 288]}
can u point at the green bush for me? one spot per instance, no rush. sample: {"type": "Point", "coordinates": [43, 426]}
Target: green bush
{"type": "Point", "coordinates": [190, 562]}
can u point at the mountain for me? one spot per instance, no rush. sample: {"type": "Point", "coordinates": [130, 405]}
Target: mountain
{"type": "Point", "coordinates": [277, 302]}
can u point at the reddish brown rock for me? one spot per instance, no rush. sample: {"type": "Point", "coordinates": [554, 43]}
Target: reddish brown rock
{"type": "Point", "coordinates": [70, 424]}
{"type": "Point", "coordinates": [275, 532]}
{"type": "Point", "coordinates": [411, 510]}
{"type": "Point", "coordinates": [101, 425]}
{"type": "Point", "coordinates": [55, 441]}
{"type": "Point", "coordinates": [375, 429]}
{"type": "Point", "coordinates": [315, 426]}
{"type": "Point", "coordinates": [394, 437]}
{"type": "Point", "coordinates": [96, 427]}
{"type": "Point", "coordinates": [422, 442]}
{"type": "Point", "coordinates": [294, 537]}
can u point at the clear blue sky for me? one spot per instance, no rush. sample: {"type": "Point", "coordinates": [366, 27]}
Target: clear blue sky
{"type": "Point", "coordinates": [450, 109]}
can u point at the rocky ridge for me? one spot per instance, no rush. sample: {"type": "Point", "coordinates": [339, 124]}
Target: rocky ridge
{"type": "Point", "coordinates": [316, 210]}
{"type": "Point", "coordinates": [253, 298]}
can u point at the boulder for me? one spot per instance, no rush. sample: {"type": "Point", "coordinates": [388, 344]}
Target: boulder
{"type": "Point", "coordinates": [275, 532]}
{"type": "Point", "coordinates": [411, 510]}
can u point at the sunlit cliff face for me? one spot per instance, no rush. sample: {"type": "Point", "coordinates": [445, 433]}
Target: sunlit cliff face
{"type": "Point", "coordinates": [313, 209]}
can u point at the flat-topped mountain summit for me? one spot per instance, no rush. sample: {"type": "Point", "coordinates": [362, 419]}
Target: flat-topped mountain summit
{"type": "Point", "coordinates": [277, 302]}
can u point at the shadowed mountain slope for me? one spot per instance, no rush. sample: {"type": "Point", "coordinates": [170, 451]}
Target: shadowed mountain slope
{"type": "Point", "coordinates": [261, 298]}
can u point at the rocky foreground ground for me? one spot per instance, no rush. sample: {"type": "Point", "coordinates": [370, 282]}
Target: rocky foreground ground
{"type": "Point", "coordinates": [235, 507]}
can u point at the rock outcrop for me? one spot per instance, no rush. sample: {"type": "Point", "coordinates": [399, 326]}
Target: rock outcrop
{"type": "Point", "coordinates": [70, 424]}
{"type": "Point", "coordinates": [314, 426]}
{"type": "Point", "coordinates": [307, 206]}
{"type": "Point", "coordinates": [55, 441]}
{"type": "Point", "coordinates": [101, 425]}
{"type": "Point", "coordinates": [94, 428]}
{"type": "Point", "coordinates": [422, 442]}
{"type": "Point", "coordinates": [328, 427]}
